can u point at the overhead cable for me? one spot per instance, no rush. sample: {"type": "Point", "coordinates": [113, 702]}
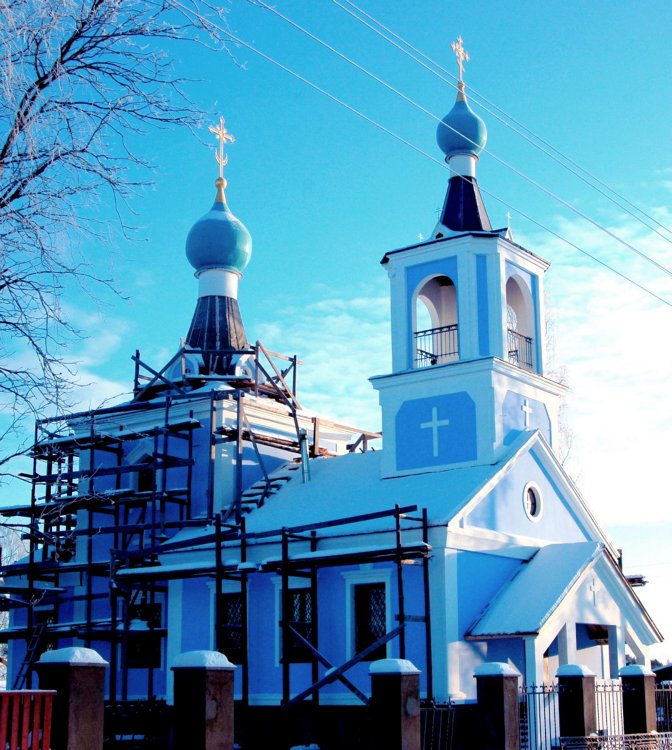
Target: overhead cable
{"type": "Point", "coordinates": [507, 120]}
{"type": "Point", "coordinates": [247, 45]}
{"type": "Point", "coordinates": [497, 158]}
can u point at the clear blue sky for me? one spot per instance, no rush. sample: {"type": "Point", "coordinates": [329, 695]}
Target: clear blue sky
{"type": "Point", "coordinates": [325, 194]}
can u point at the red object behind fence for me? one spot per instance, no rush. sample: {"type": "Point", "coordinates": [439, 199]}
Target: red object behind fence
{"type": "Point", "coordinates": [25, 719]}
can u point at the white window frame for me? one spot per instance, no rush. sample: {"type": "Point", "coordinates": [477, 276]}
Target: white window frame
{"type": "Point", "coordinates": [540, 502]}
{"type": "Point", "coordinates": [365, 575]}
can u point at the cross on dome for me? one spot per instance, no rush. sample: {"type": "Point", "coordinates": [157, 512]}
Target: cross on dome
{"type": "Point", "coordinates": [223, 136]}
{"type": "Point", "coordinates": [462, 56]}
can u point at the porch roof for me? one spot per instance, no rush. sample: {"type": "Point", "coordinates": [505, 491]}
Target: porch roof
{"type": "Point", "coordinates": [535, 591]}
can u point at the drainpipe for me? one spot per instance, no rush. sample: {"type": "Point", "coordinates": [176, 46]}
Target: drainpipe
{"type": "Point", "coordinates": [305, 466]}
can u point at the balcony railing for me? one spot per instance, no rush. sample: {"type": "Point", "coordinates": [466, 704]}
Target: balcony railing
{"type": "Point", "coordinates": [520, 349]}
{"type": "Point", "coordinates": [436, 346]}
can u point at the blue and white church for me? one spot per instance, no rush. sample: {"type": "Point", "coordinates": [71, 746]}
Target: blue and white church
{"type": "Point", "coordinates": [215, 511]}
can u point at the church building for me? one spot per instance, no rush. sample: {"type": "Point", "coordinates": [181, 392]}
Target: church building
{"type": "Point", "coordinates": [215, 511]}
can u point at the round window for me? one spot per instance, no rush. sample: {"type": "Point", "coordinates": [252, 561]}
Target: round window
{"type": "Point", "coordinates": [532, 502]}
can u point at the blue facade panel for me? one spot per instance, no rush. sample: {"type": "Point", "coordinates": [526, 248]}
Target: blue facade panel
{"type": "Point", "coordinates": [436, 431]}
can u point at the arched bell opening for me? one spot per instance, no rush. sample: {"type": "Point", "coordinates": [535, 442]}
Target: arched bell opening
{"type": "Point", "coordinates": [519, 324]}
{"type": "Point", "coordinates": [435, 324]}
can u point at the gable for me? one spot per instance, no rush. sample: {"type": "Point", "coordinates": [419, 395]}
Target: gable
{"type": "Point", "coordinates": [499, 507]}
{"type": "Point", "coordinates": [505, 508]}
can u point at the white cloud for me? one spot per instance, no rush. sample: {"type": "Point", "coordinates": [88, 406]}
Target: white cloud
{"type": "Point", "coordinates": [342, 343]}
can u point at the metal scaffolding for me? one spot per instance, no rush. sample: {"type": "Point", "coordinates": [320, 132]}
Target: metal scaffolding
{"type": "Point", "coordinates": [108, 498]}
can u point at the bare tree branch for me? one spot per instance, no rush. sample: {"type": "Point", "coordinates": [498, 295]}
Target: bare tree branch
{"type": "Point", "coordinates": [76, 78]}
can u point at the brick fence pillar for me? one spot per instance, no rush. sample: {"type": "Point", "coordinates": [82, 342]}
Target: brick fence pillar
{"type": "Point", "coordinates": [639, 699]}
{"type": "Point", "coordinates": [498, 706]}
{"type": "Point", "coordinates": [203, 697]}
{"type": "Point", "coordinates": [78, 677]}
{"type": "Point", "coordinates": [395, 704]}
{"type": "Point", "coordinates": [576, 701]}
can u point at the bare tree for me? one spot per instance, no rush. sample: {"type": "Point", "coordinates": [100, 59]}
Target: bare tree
{"type": "Point", "coordinates": [77, 79]}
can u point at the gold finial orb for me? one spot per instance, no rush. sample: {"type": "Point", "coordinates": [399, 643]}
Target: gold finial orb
{"type": "Point", "coordinates": [220, 184]}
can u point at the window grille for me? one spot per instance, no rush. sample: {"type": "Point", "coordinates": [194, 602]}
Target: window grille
{"type": "Point", "coordinates": [370, 618]}
{"type": "Point", "coordinates": [231, 627]}
{"type": "Point", "coordinates": [301, 619]}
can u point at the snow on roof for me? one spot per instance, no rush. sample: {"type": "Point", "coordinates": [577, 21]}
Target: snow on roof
{"type": "Point", "coordinates": [536, 589]}
{"type": "Point", "coordinates": [351, 484]}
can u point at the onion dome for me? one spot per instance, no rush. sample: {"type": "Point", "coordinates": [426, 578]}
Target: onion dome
{"type": "Point", "coordinates": [219, 239]}
{"type": "Point", "coordinates": [461, 131]}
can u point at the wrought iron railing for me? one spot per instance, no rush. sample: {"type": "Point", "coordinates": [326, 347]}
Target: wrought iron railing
{"type": "Point", "coordinates": [609, 707]}
{"type": "Point", "coordinates": [664, 707]}
{"type": "Point", "coordinates": [434, 346]}
{"type": "Point", "coordinates": [519, 349]}
{"type": "Point", "coordinates": [539, 717]}
{"type": "Point", "coordinates": [654, 741]}
{"type": "Point", "coordinates": [437, 722]}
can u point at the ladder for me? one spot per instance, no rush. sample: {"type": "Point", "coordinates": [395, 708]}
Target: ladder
{"type": "Point", "coordinates": [31, 655]}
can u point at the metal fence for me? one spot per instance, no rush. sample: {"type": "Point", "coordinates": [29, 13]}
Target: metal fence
{"type": "Point", "coordinates": [436, 726]}
{"type": "Point", "coordinates": [539, 717]}
{"type": "Point", "coordinates": [436, 346]}
{"type": "Point", "coordinates": [618, 742]}
{"type": "Point", "coordinates": [664, 707]}
{"type": "Point", "coordinates": [609, 707]}
{"type": "Point", "coordinates": [519, 349]}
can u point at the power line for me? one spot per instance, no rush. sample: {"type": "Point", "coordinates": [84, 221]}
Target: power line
{"type": "Point", "coordinates": [503, 162]}
{"type": "Point", "coordinates": [507, 119]}
{"type": "Point", "coordinates": [237, 40]}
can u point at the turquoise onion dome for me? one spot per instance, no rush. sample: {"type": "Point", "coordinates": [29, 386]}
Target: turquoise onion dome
{"type": "Point", "coordinates": [461, 131]}
{"type": "Point", "coordinates": [219, 239]}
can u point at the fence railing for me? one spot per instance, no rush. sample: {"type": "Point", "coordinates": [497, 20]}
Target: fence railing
{"type": "Point", "coordinates": [519, 349]}
{"type": "Point", "coordinates": [436, 726]}
{"type": "Point", "coordinates": [664, 708]}
{"type": "Point", "coordinates": [609, 707]}
{"type": "Point", "coordinates": [618, 742]}
{"type": "Point", "coordinates": [539, 717]}
{"type": "Point", "coordinates": [434, 346]}
{"type": "Point", "coordinates": [25, 719]}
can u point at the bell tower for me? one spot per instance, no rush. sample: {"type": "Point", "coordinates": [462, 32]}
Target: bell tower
{"type": "Point", "coordinates": [467, 315]}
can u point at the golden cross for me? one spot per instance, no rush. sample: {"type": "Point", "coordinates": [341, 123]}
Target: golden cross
{"type": "Point", "coordinates": [461, 54]}
{"type": "Point", "coordinates": [222, 135]}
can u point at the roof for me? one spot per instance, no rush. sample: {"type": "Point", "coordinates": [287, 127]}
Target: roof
{"type": "Point", "coordinates": [344, 485]}
{"type": "Point", "coordinates": [535, 591]}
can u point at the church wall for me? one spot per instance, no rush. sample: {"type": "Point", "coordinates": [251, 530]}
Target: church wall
{"type": "Point", "coordinates": [480, 577]}
{"type": "Point", "coordinates": [503, 509]}
{"type": "Point", "coordinates": [335, 630]}
{"type": "Point", "coordinates": [508, 650]}
{"type": "Point", "coordinates": [594, 655]}
{"type": "Point", "coordinates": [482, 293]}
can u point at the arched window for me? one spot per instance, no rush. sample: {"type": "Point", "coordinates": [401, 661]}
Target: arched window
{"type": "Point", "coordinates": [436, 322]}
{"type": "Point", "coordinates": [519, 323]}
